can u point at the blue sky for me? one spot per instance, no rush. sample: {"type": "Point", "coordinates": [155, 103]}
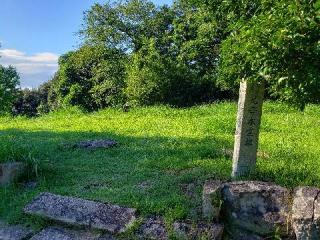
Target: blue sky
{"type": "Point", "coordinates": [33, 33]}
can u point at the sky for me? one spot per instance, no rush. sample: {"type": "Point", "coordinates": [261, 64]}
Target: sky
{"type": "Point", "coordinates": [34, 33]}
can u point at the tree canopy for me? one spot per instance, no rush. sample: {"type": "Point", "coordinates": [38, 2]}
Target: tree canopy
{"type": "Point", "coordinates": [192, 52]}
{"type": "Point", "coordinates": [9, 81]}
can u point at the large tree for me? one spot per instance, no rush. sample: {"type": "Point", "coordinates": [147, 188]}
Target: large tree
{"type": "Point", "coordinates": [124, 25]}
{"type": "Point", "coordinates": [267, 43]}
{"type": "Point", "coordinates": [91, 77]}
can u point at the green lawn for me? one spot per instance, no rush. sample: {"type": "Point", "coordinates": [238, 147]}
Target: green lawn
{"type": "Point", "coordinates": [163, 159]}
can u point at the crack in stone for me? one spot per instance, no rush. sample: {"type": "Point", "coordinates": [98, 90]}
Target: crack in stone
{"type": "Point", "coordinates": [313, 207]}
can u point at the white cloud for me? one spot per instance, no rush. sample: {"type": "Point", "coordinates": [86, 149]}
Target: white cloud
{"type": "Point", "coordinates": [33, 69]}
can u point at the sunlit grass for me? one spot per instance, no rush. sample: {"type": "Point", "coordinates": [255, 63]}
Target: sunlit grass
{"type": "Point", "coordinates": [161, 151]}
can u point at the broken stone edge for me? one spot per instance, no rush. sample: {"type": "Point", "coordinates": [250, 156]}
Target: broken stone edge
{"type": "Point", "coordinates": [125, 227]}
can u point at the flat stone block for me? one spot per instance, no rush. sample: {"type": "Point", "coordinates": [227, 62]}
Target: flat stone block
{"type": "Point", "coordinates": [96, 215]}
{"type": "Point", "coordinates": [10, 171]}
{"type": "Point", "coordinates": [14, 232]}
{"type": "Point", "coordinates": [58, 233]}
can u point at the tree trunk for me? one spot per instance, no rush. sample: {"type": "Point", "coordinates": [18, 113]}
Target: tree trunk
{"type": "Point", "coordinates": [247, 129]}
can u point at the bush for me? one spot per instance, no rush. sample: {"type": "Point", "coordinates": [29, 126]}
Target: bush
{"type": "Point", "coordinates": [153, 78]}
{"type": "Point", "coordinates": [32, 102]}
{"type": "Point", "coordinates": [91, 77]}
{"type": "Point", "coordinates": [27, 103]}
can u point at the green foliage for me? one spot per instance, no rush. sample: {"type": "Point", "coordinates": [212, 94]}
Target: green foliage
{"type": "Point", "coordinates": [91, 77]}
{"type": "Point", "coordinates": [147, 77]}
{"type": "Point", "coordinates": [27, 103]}
{"type": "Point", "coordinates": [192, 52]}
{"type": "Point", "coordinates": [278, 43]}
{"type": "Point", "coordinates": [171, 54]}
{"type": "Point", "coordinates": [280, 46]}
{"type": "Point", "coordinates": [32, 102]}
{"type": "Point", "coordinates": [124, 25]}
{"type": "Point", "coordinates": [9, 82]}
{"type": "Point", "coordinates": [153, 78]}
{"type": "Point", "coordinates": [12, 149]}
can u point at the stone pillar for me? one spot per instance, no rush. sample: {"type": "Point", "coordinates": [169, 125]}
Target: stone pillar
{"type": "Point", "coordinates": [247, 129]}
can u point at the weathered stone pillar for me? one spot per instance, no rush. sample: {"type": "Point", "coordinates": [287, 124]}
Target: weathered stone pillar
{"type": "Point", "coordinates": [247, 129]}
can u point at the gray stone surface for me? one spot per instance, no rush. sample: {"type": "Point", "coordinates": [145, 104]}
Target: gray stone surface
{"type": "Point", "coordinates": [106, 236]}
{"type": "Point", "coordinates": [304, 219]}
{"type": "Point", "coordinates": [188, 231]}
{"type": "Point", "coordinates": [257, 207]}
{"type": "Point", "coordinates": [94, 144]}
{"type": "Point", "coordinates": [247, 128]}
{"type": "Point", "coordinates": [58, 233]}
{"type": "Point", "coordinates": [211, 200]}
{"type": "Point", "coordinates": [240, 234]}
{"type": "Point", "coordinates": [112, 218]}
{"type": "Point", "coordinates": [14, 232]}
{"type": "Point", "coordinates": [153, 228]}
{"type": "Point", "coordinates": [183, 230]}
{"type": "Point", "coordinates": [212, 232]}
{"type": "Point", "coordinates": [316, 213]}
{"type": "Point", "coordinates": [10, 171]}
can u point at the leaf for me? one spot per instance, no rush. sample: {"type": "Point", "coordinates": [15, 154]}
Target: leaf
{"type": "Point", "coordinates": [317, 5]}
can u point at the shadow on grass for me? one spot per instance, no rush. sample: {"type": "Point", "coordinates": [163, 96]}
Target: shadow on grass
{"type": "Point", "coordinates": [146, 172]}
{"type": "Point", "coordinates": [156, 175]}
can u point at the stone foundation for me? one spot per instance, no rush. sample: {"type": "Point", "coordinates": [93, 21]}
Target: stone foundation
{"type": "Point", "coordinates": [243, 210]}
{"type": "Point", "coordinates": [260, 210]}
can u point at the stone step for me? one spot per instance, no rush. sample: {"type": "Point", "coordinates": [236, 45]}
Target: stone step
{"type": "Point", "coordinates": [58, 233]}
{"type": "Point", "coordinates": [14, 232]}
{"type": "Point", "coordinates": [96, 215]}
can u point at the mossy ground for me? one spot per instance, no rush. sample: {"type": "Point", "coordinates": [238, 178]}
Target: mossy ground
{"type": "Point", "coordinates": [164, 156]}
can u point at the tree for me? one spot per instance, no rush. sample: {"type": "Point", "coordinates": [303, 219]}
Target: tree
{"type": "Point", "coordinates": [91, 77]}
{"type": "Point", "coordinates": [124, 25]}
{"type": "Point", "coordinates": [281, 47]}
{"type": "Point", "coordinates": [27, 103]}
{"type": "Point", "coordinates": [277, 45]}
{"type": "Point", "coordinates": [32, 102]}
{"type": "Point", "coordinates": [9, 82]}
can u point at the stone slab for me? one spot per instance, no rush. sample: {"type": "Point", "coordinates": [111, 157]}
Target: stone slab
{"type": "Point", "coordinates": [14, 232]}
{"type": "Point", "coordinates": [96, 215]}
{"type": "Point", "coordinates": [186, 231]}
{"type": "Point", "coordinates": [58, 233]}
{"type": "Point", "coordinates": [153, 228]}
{"type": "Point", "coordinates": [257, 207]}
{"type": "Point", "coordinates": [106, 236]}
{"type": "Point", "coordinates": [10, 171]}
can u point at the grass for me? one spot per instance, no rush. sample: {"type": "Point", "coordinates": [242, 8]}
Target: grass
{"type": "Point", "coordinates": [163, 159]}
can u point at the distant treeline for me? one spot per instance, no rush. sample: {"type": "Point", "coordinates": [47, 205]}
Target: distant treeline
{"type": "Point", "coordinates": [189, 53]}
